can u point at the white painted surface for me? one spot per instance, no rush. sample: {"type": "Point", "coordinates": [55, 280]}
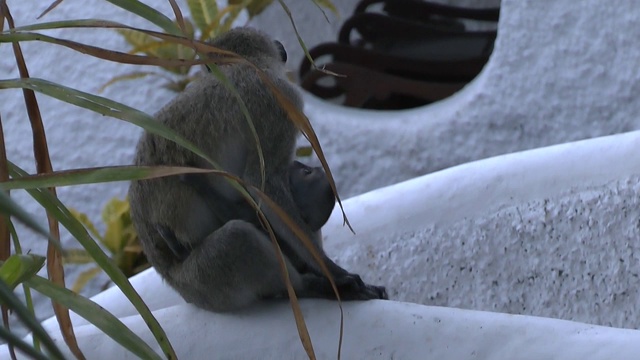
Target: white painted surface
{"type": "Point", "coordinates": [541, 182]}
{"type": "Point", "coordinates": [549, 232]}
{"type": "Point", "coordinates": [373, 330]}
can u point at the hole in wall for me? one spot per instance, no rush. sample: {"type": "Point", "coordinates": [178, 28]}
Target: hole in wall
{"type": "Point", "coordinates": [400, 54]}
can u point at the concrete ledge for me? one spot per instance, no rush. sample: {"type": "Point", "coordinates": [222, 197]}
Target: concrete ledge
{"type": "Point", "coordinates": [414, 236]}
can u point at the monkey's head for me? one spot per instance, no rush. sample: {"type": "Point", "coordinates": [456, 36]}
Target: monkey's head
{"type": "Point", "coordinates": [254, 45]}
{"type": "Point", "coordinates": [312, 193]}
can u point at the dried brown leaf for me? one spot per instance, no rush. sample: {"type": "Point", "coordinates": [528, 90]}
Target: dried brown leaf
{"type": "Point", "coordinates": [43, 165]}
{"type": "Point", "coordinates": [51, 7]}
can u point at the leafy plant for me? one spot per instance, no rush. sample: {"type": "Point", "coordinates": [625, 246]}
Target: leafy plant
{"type": "Point", "coordinates": [119, 238]}
{"type": "Point", "coordinates": [209, 20]}
{"type": "Point", "coordinates": [41, 186]}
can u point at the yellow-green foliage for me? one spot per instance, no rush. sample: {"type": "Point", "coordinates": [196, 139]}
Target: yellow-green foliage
{"type": "Point", "coordinates": [119, 238]}
{"type": "Point", "coordinates": [207, 21]}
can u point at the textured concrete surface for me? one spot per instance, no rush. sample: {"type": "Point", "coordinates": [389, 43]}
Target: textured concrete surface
{"type": "Point", "coordinates": [573, 256]}
{"type": "Point", "coordinates": [546, 232]}
{"type": "Point", "coordinates": [372, 330]}
{"type": "Point", "coordinates": [549, 232]}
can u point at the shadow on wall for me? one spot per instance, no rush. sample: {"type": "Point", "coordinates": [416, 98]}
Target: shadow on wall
{"type": "Point", "coordinates": [400, 54]}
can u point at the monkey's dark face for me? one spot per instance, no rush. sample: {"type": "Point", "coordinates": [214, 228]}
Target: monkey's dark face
{"type": "Point", "coordinates": [283, 52]}
{"type": "Point", "coordinates": [312, 193]}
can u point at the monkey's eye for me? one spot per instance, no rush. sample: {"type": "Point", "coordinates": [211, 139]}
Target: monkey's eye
{"type": "Point", "coordinates": [283, 52]}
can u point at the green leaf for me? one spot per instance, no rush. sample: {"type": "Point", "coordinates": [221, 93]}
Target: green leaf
{"type": "Point", "coordinates": [97, 175]}
{"type": "Point", "coordinates": [139, 40]}
{"type": "Point", "coordinates": [203, 12]}
{"type": "Point", "coordinates": [77, 230]}
{"type": "Point", "coordinates": [114, 217]}
{"type": "Point", "coordinates": [130, 76]}
{"type": "Point", "coordinates": [27, 292]}
{"type": "Point", "coordinates": [304, 151]}
{"type": "Point", "coordinates": [115, 210]}
{"type": "Point", "coordinates": [121, 57]}
{"type": "Point", "coordinates": [84, 219]}
{"type": "Point", "coordinates": [255, 7]}
{"type": "Point", "coordinates": [215, 28]}
{"type": "Point", "coordinates": [18, 268]}
{"type": "Point", "coordinates": [169, 50]}
{"type": "Point", "coordinates": [147, 44]}
{"type": "Point", "coordinates": [84, 278]}
{"type": "Point", "coordinates": [96, 315]}
{"type": "Point", "coordinates": [295, 29]}
{"type": "Point", "coordinates": [105, 106]}
{"type": "Point", "coordinates": [10, 300]}
{"type": "Point", "coordinates": [18, 343]}
{"type": "Point", "coordinates": [77, 257]}
{"type": "Point", "coordinates": [328, 5]}
{"type": "Point", "coordinates": [11, 208]}
{"type": "Point", "coordinates": [149, 13]}
{"type": "Point", "coordinates": [234, 12]}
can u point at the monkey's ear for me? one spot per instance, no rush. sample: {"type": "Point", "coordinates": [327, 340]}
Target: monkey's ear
{"type": "Point", "coordinates": [283, 52]}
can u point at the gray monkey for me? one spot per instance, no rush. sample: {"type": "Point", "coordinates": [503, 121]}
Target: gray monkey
{"type": "Point", "coordinates": [229, 260]}
{"type": "Point", "coordinates": [312, 194]}
{"type": "Point", "coordinates": [309, 187]}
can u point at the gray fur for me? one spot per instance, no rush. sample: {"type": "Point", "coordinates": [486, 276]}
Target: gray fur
{"type": "Point", "coordinates": [229, 261]}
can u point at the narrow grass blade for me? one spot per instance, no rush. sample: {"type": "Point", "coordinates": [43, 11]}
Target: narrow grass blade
{"type": "Point", "coordinates": [11, 208]}
{"type": "Point", "coordinates": [21, 34]}
{"type": "Point", "coordinates": [5, 240]}
{"type": "Point", "coordinates": [55, 270]}
{"type": "Point", "coordinates": [96, 315]}
{"type": "Point", "coordinates": [18, 343]}
{"type": "Point", "coordinates": [98, 175]}
{"type": "Point", "coordinates": [203, 12]}
{"type": "Point", "coordinates": [8, 298]}
{"type": "Point", "coordinates": [78, 231]}
{"type": "Point", "coordinates": [104, 106]}
{"type": "Point", "coordinates": [149, 13]}
{"type": "Point", "coordinates": [27, 292]}
{"type": "Point", "coordinates": [18, 268]}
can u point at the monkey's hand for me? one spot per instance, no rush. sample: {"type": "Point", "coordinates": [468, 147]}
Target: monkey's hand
{"type": "Point", "coordinates": [350, 287]}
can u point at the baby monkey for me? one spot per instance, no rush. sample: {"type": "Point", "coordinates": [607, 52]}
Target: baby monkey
{"type": "Point", "coordinates": [198, 232]}
{"type": "Point", "coordinates": [309, 186]}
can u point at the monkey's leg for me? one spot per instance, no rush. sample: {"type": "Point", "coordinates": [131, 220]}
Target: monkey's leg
{"type": "Point", "coordinates": [350, 286]}
{"type": "Point", "coordinates": [232, 268]}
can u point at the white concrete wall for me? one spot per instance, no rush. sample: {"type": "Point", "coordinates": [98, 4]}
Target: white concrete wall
{"type": "Point", "coordinates": [543, 236]}
{"type": "Point", "coordinates": [548, 232]}
{"type": "Point", "coordinates": [559, 72]}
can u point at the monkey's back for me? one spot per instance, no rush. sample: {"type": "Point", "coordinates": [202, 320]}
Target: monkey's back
{"type": "Point", "coordinates": [209, 115]}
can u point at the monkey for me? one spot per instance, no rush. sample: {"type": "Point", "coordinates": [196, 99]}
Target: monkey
{"type": "Point", "coordinates": [311, 193]}
{"type": "Point", "coordinates": [229, 261]}
{"type": "Point", "coordinates": [309, 187]}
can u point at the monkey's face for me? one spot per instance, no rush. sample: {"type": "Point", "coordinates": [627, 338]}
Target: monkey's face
{"type": "Point", "coordinates": [312, 193]}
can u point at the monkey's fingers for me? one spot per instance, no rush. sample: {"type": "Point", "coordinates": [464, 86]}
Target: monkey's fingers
{"type": "Point", "coordinates": [348, 279]}
{"type": "Point", "coordinates": [380, 292]}
{"type": "Point", "coordinates": [356, 290]}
